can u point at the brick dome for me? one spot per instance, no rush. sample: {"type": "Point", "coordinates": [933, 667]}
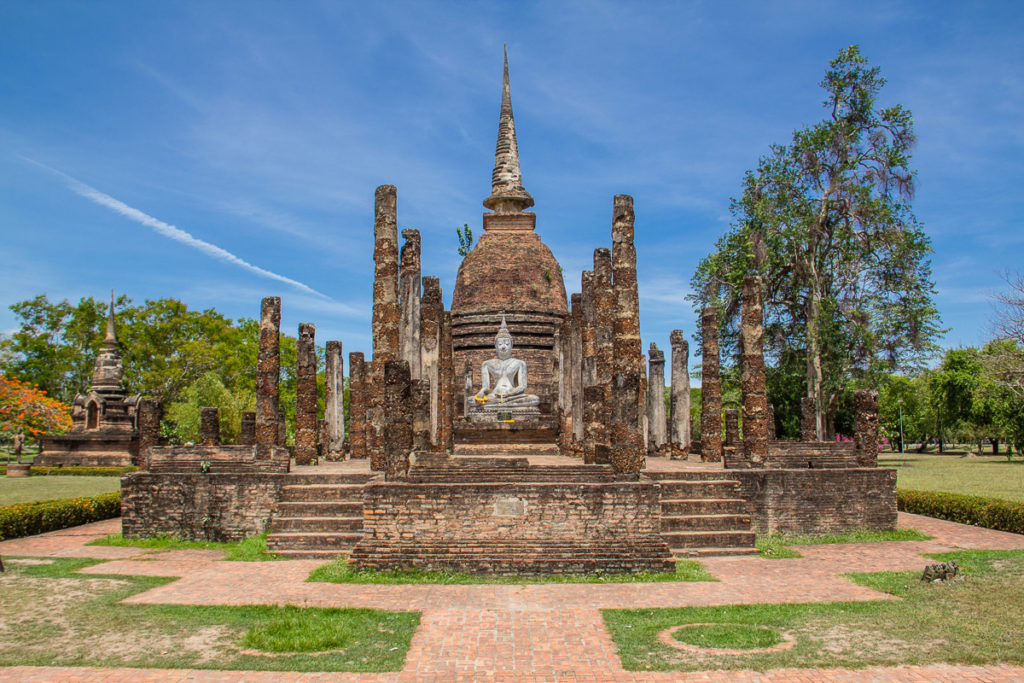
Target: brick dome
{"type": "Point", "coordinates": [509, 271]}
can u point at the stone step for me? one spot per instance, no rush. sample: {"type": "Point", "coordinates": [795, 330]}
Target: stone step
{"type": "Point", "coordinates": [695, 506]}
{"type": "Point", "coordinates": [320, 509]}
{"type": "Point", "coordinates": [313, 541]}
{"type": "Point", "coordinates": [688, 475]}
{"type": "Point", "coordinates": [313, 479]}
{"type": "Point", "coordinates": [708, 539]}
{"type": "Point", "coordinates": [311, 554]}
{"type": "Point", "coordinates": [309, 493]}
{"type": "Point", "coordinates": [711, 488]}
{"type": "Point", "coordinates": [315, 524]}
{"type": "Point", "coordinates": [689, 553]}
{"type": "Point", "coordinates": [706, 523]}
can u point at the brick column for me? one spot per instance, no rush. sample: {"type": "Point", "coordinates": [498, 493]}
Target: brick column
{"type": "Point", "coordinates": [865, 427]}
{"type": "Point", "coordinates": [627, 457]}
{"type": "Point", "coordinates": [447, 379]}
{"type": "Point", "coordinates": [148, 421]}
{"type": "Point", "coordinates": [396, 435]}
{"type": "Point", "coordinates": [657, 438]}
{"type": "Point", "coordinates": [334, 403]}
{"type": "Point", "coordinates": [710, 388]}
{"type": "Point", "coordinates": [565, 389]}
{"type": "Point", "coordinates": [356, 406]}
{"type": "Point", "coordinates": [431, 313]}
{"type": "Point", "coordinates": [732, 426]}
{"type": "Point", "coordinates": [593, 398]}
{"type": "Point", "coordinates": [808, 426]}
{"type": "Point", "coordinates": [679, 395]}
{"type": "Point", "coordinates": [385, 277]}
{"type": "Point", "coordinates": [268, 372]}
{"type": "Point", "coordinates": [306, 396]}
{"type": "Point", "coordinates": [604, 302]}
{"type": "Point", "coordinates": [420, 396]}
{"type": "Point", "coordinates": [409, 300]}
{"type": "Point", "coordinates": [577, 373]}
{"type": "Point", "coordinates": [247, 430]}
{"type": "Point", "coordinates": [771, 422]}
{"type": "Point", "coordinates": [209, 427]}
{"type": "Point", "coordinates": [752, 378]}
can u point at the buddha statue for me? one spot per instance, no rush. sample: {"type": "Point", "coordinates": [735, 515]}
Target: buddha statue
{"type": "Point", "coordinates": [503, 379]}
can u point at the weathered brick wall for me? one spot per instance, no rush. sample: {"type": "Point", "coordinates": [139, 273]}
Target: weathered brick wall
{"type": "Point", "coordinates": [812, 455]}
{"type": "Point", "coordinates": [812, 501]}
{"type": "Point", "coordinates": [215, 507]}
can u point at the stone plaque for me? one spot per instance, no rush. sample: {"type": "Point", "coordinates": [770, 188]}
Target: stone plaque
{"type": "Point", "coordinates": [509, 506]}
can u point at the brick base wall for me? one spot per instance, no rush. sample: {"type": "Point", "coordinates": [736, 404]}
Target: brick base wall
{"type": "Point", "coordinates": [521, 528]}
{"type": "Point", "coordinates": [203, 507]}
{"type": "Point", "coordinates": [813, 501]}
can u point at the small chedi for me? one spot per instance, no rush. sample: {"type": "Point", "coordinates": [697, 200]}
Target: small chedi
{"type": "Point", "coordinates": [448, 415]}
{"type": "Point", "coordinates": [502, 394]}
{"type": "Point", "coordinates": [103, 422]}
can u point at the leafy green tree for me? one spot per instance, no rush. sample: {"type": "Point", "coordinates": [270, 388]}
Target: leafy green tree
{"type": "Point", "coordinates": [208, 392]}
{"type": "Point", "coordinates": [827, 222]}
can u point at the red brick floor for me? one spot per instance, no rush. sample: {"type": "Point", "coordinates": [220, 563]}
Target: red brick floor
{"type": "Point", "coordinates": [522, 633]}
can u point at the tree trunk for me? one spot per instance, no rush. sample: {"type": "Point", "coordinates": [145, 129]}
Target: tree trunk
{"type": "Point", "coordinates": [814, 361]}
{"type": "Point", "coordinates": [995, 446]}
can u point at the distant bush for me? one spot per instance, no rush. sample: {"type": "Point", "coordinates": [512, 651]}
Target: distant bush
{"type": "Point", "coordinates": [82, 471]}
{"type": "Point", "coordinates": [28, 519]}
{"type": "Point", "coordinates": [991, 513]}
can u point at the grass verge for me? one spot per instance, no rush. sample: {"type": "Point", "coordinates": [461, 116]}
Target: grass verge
{"type": "Point", "coordinates": [30, 489]}
{"type": "Point", "coordinates": [251, 549]}
{"type": "Point", "coordinates": [972, 620]}
{"type": "Point", "coordinates": [340, 572]}
{"type": "Point", "coordinates": [56, 617]}
{"type": "Point", "coordinates": [989, 476]}
{"type": "Point", "coordinates": [776, 546]}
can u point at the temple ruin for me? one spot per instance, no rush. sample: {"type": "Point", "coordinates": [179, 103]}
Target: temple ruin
{"type": "Point", "coordinates": [515, 432]}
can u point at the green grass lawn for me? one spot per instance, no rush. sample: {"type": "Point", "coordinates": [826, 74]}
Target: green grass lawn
{"type": "Point", "coordinates": [251, 549]}
{"type": "Point", "coordinates": [990, 476]}
{"type": "Point", "coordinates": [339, 572]}
{"type": "Point", "coordinates": [776, 546]}
{"type": "Point", "coordinates": [29, 489]}
{"type": "Point", "coordinates": [55, 617]}
{"type": "Point", "coordinates": [970, 620]}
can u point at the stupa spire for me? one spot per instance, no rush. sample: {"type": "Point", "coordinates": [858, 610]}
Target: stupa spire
{"type": "Point", "coordinates": [111, 330]}
{"type": "Point", "coordinates": [507, 192]}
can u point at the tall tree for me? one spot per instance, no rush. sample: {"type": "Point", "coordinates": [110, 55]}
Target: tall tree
{"type": "Point", "coordinates": [827, 222]}
{"type": "Point", "coordinates": [1006, 361]}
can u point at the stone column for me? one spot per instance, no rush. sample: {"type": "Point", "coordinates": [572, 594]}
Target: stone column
{"type": "Point", "coordinates": [306, 396]}
{"type": "Point", "coordinates": [334, 402]}
{"type": "Point", "coordinates": [247, 430]}
{"type": "Point", "coordinates": [409, 298]}
{"type": "Point", "coordinates": [808, 419]}
{"type": "Point", "coordinates": [771, 422]}
{"type": "Point", "coordinates": [732, 426]}
{"type": "Point", "coordinates": [447, 379]}
{"type": "Point", "coordinates": [577, 372]}
{"type": "Point", "coordinates": [357, 406]}
{"type": "Point", "coordinates": [752, 378]}
{"type": "Point", "coordinates": [679, 395]}
{"type": "Point", "coordinates": [431, 314]}
{"type": "Point", "coordinates": [604, 302]}
{"type": "Point", "coordinates": [396, 435]}
{"type": "Point", "coordinates": [627, 457]}
{"type": "Point", "coordinates": [268, 372]}
{"type": "Point", "coordinates": [710, 388]}
{"type": "Point", "coordinates": [865, 427]}
{"type": "Point", "coordinates": [657, 439]}
{"type": "Point", "coordinates": [593, 394]}
{"type": "Point", "coordinates": [644, 422]}
{"type": "Point", "coordinates": [385, 278]}
{"type": "Point", "coordinates": [421, 416]}
{"type": "Point", "coordinates": [209, 427]}
{"type": "Point", "coordinates": [148, 422]}
{"type": "Point", "coordinates": [565, 396]}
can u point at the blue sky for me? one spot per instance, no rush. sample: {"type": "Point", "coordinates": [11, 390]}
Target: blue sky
{"type": "Point", "coordinates": [219, 152]}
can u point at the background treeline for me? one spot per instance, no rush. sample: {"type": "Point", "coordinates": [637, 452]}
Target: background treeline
{"type": "Point", "coordinates": [186, 359]}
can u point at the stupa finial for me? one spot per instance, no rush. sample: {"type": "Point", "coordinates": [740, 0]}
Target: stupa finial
{"type": "Point", "coordinates": [507, 192]}
{"type": "Point", "coordinates": [111, 330]}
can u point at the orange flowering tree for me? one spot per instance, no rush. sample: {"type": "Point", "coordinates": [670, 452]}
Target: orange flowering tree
{"type": "Point", "coordinates": [26, 409]}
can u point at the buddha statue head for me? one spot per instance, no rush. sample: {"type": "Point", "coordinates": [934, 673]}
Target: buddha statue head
{"type": "Point", "coordinates": [503, 341]}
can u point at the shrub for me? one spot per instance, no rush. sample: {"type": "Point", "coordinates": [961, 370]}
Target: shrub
{"type": "Point", "coordinates": [76, 471]}
{"type": "Point", "coordinates": [991, 513]}
{"type": "Point", "coordinates": [27, 519]}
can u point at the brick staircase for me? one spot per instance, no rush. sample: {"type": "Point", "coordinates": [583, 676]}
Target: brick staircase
{"type": "Point", "coordinates": [479, 469]}
{"type": "Point", "coordinates": [318, 516]}
{"type": "Point", "coordinates": [703, 514]}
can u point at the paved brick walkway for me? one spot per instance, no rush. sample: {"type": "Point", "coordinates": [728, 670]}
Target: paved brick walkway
{"type": "Point", "coordinates": [521, 633]}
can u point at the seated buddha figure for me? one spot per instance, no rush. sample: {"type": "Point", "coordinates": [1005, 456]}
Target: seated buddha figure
{"type": "Point", "coordinates": [503, 383]}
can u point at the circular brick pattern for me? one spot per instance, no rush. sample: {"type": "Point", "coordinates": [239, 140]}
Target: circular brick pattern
{"type": "Point", "coordinates": [667, 638]}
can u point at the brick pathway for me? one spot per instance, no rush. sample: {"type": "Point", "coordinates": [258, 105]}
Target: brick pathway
{"type": "Point", "coordinates": [522, 633]}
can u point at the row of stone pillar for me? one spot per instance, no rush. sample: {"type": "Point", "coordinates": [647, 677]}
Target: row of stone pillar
{"type": "Point", "coordinates": [669, 434]}
{"type": "Point", "coordinates": [404, 398]}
